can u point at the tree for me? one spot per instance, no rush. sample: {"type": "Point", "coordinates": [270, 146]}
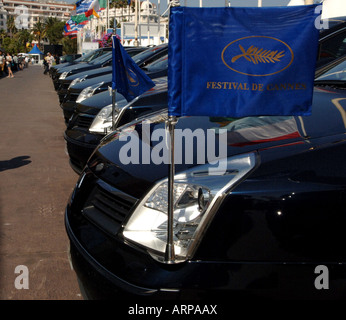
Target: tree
{"type": "Point", "coordinates": [54, 30]}
{"type": "Point", "coordinates": [69, 45]}
{"type": "Point", "coordinates": [39, 32]}
{"type": "Point", "coordinates": [23, 37]}
{"type": "Point", "coordinates": [3, 35]}
{"type": "Point", "coordinates": [11, 25]}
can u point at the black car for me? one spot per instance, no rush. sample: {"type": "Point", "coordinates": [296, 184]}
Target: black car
{"type": "Point", "coordinates": [332, 41]}
{"type": "Point", "coordinates": [69, 57]}
{"type": "Point", "coordinates": [63, 85]}
{"type": "Point", "coordinates": [90, 56]}
{"type": "Point", "coordinates": [93, 120]}
{"type": "Point", "coordinates": [263, 226]}
{"type": "Point", "coordinates": [83, 90]}
{"type": "Point", "coordinates": [102, 61]}
{"type": "Point", "coordinates": [142, 57]}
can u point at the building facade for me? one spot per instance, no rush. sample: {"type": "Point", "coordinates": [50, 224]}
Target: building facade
{"type": "Point", "coordinates": [27, 13]}
{"type": "Point", "coordinates": [147, 10]}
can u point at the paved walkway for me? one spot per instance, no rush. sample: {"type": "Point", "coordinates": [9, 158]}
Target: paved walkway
{"type": "Point", "coordinates": [35, 183]}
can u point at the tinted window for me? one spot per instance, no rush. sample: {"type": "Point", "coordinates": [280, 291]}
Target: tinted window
{"type": "Point", "coordinates": [333, 47]}
{"type": "Point", "coordinates": [336, 73]}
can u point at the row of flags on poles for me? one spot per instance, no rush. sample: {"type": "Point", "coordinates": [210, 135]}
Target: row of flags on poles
{"type": "Point", "coordinates": [82, 12]}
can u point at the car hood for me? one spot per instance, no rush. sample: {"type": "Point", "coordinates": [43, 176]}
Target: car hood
{"type": "Point", "coordinates": [79, 67]}
{"type": "Point", "coordinates": [93, 72]}
{"type": "Point", "coordinates": [96, 102]}
{"type": "Point", "coordinates": [283, 135]}
{"type": "Point", "coordinates": [107, 79]}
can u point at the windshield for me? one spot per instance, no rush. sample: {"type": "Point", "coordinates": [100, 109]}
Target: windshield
{"type": "Point", "coordinates": [138, 58]}
{"type": "Point", "coordinates": [158, 65]}
{"type": "Point", "coordinates": [335, 73]}
{"type": "Point", "coordinates": [88, 56]}
{"type": "Point", "coordinates": [105, 57]}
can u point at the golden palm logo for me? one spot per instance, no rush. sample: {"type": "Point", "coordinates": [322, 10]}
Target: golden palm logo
{"type": "Point", "coordinates": [256, 55]}
{"type": "Point", "coordinates": [131, 76]}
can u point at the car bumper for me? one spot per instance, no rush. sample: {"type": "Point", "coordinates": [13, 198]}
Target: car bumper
{"type": "Point", "coordinates": [80, 145]}
{"type": "Point", "coordinates": [96, 282]}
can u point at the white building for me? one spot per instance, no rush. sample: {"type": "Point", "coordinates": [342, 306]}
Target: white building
{"type": "Point", "coordinates": [27, 13]}
{"type": "Point", "coordinates": [3, 16]}
{"type": "Point", "coordinates": [127, 14]}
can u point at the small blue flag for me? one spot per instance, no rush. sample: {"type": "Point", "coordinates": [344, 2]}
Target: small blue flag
{"type": "Point", "coordinates": [127, 78]}
{"type": "Point", "coordinates": [238, 62]}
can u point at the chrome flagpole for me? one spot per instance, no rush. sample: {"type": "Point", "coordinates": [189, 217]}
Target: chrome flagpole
{"type": "Point", "coordinates": [114, 91]}
{"type": "Point", "coordinates": [114, 108]}
{"type": "Point", "coordinates": [170, 128]}
{"type": "Point", "coordinates": [170, 254]}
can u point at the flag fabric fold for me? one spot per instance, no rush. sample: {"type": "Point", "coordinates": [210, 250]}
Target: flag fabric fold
{"type": "Point", "coordinates": [93, 9]}
{"type": "Point", "coordinates": [127, 78]}
{"type": "Point", "coordinates": [237, 62]}
{"type": "Point", "coordinates": [72, 28]}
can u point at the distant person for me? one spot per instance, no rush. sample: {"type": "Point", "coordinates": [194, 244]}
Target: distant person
{"type": "Point", "coordinates": [15, 62]}
{"type": "Point", "coordinates": [9, 65]}
{"type": "Point", "coordinates": [51, 60]}
{"type": "Point", "coordinates": [45, 64]}
{"type": "Point", "coordinates": [2, 63]}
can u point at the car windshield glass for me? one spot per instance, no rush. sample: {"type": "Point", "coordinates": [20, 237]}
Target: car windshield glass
{"type": "Point", "coordinates": [158, 65]}
{"type": "Point", "coordinates": [145, 54]}
{"type": "Point", "coordinates": [102, 59]}
{"type": "Point", "coordinates": [336, 73]}
{"type": "Point", "coordinates": [88, 56]}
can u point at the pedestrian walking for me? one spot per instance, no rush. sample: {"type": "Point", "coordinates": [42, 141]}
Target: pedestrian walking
{"type": "Point", "coordinates": [51, 60]}
{"type": "Point", "coordinates": [15, 62]}
{"type": "Point", "coordinates": [9, 61]}
{"type": "Point", "coordinates": [45, 64]}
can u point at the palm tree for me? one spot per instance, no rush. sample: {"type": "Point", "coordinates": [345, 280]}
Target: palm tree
{"type": "Point", "coordinates": [50, 22]}
{"type": "Point", "coordinates": [11, 25]}
{"type": "Point", "coordinates": [39, 32]}
{"type": "Point", "coordinates": [24, 36]}
{"type": "Point", "coordinates": [53, 29]}
{"type": "Point", "coordinates": [3, 35]}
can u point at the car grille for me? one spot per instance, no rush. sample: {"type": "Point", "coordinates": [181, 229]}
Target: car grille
{"type": "Point", "coordinates": [84, 121]}
{"type": "Point", "coordinates": [65, 86]}
{"type": "Point", "coordinates": [72, 97]}
{"type": "Point", "coordinates": [108, 207]}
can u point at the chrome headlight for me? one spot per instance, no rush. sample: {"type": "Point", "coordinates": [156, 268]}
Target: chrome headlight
{"type": "Point", "coordinates": [63, 75]}
{"type": "Point", "coordinates": [197, 196]}
{"type": "Point", "coordinates": [103, 121]}
{"type": "Point", "coordinates": [88, 92]}
{"type": "Point", "coordinates": [77, 80]}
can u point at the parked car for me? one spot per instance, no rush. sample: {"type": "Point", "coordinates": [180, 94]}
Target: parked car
{"type": "Point", "coordinates": [260, 229]}
{"type": "Point", "coordinates": [102, 61]}
{"type": "Point", "coordinates": [93, 120]}
{"type": "Point", "coordinates": [139, 55]}
{"type": "Point", "coordinates": [83, 90]}
{"type": "Point", "coordinates": [332, 41]}
{"type": "Point", "coordinates": [90, 56]}
{"type": "Point", "coordinates": [69, 57]}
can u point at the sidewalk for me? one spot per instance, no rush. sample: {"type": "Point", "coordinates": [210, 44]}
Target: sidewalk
{"type": "Point", "coordinates": [35, 183]}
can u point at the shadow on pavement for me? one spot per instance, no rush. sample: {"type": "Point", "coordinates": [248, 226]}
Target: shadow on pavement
{"type": "Point", "coordinates": [14, 163]}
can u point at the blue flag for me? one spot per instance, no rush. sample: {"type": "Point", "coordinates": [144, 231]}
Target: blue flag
{"type": "Point", "coordinates": [239, 62]}
{"type": "Point", "coordinates": [127, 78]}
